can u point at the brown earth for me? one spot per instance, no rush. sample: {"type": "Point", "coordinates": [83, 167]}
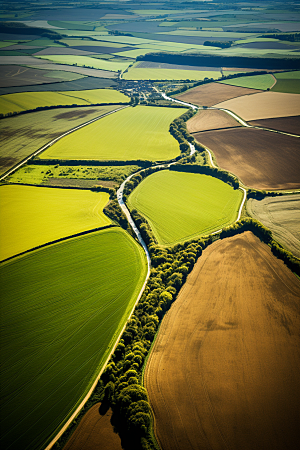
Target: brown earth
{"type": "Point", "coordinates": [261, 159]}
{"type": "Point", "coordinates": [282, 216]}
{"type": "Point", "coordinates": [286, 124]}
{"type": "Point", "coordinates": [211, 119]}
{"type": "Point", "coordinates": [13, 75]}
{"type": "Point", "coordinates": [212, 93]}
{"type": "Point", "coordinates": [263, 105]}
{"type": "Point", "coordinates": [94, 432]}
{"type": "Point", "coordinates": [224, 370]}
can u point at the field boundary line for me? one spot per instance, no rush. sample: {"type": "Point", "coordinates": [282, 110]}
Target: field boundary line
{"type": "Point", "coordinates": [40, 150]}
{"type": "Point", "coordinates": [56, 241]}
{"type": "Point", "coordinates": [275, 81]}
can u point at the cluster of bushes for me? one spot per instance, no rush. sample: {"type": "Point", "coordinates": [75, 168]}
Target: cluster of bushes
{"type": "Point", "coordinates": [100, 188]}
{"type": "Point", "coordinates": [260, 194]}
{"type": "Point", "coordinates": [224, 44]}
{"type": "Point", "coordinates": [265, 235]}
{"type": "Point", "coordinates": [90, 162]}
{"type": "Point", "coordinates": [208, 170]}
{"type": "Point", "coordinates": [291, 37]}
{"type": "Point", "coordinates": [115, 213]}
{"type": "Point", "coordinates": [178, 130]}
{"type": "Point", "coordinates": [144, 227]}
{"type": "Point", "coordinates": [121, 380]}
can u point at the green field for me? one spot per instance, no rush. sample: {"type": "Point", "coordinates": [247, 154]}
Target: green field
{"type": "Point", "coordinates": [62, 309]}
{"type": "Point", "coordinates": [168, 74]}
{"type": "Point", "coordinates": [254, 82]}
{"type": "Point", "coordinates": [39, 174]}
{"type": "Point", "coordinates": [179, 206]}
{"type": "Point", "coordinates": [288, 82]}
{"type": "Point", "coordinates": [32, 216]}
{"type": "Point", "coordinates": [87, 61]}
{"type": "Point", "coordinates": [24, 101]}
{"type": "Point", "coordinates": [130, 134]}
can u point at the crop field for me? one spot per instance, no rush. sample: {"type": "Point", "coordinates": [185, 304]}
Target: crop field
{"type": "Point", "coordinates": [11, 103]}
{"type": "Point", "coordinates": [62, 310]}
{"type": "Point", "coordinates": [22, 135]}
{"type": "Point", "coordinates": [51, 174]}
{"type": "Point", "coordinates": [87, 61]}
{"type": "Point", "coordinates": [135, 133]}
{"type": "Point", "coordinates": [287, 82]}
{"type": "Point", "coordinates": [32, 216]}
{"type": "Point", "coordinates": [289, 124]}
{"type": "Point", "coordinates": [217, 373]}
{"type": "Point", "coordinates": [95, 430]}
{"type": "Point", "coordinates": [212, 93]}
{"type": "Point", "coordinates": [263, 105]}
{"type": "Point", "coordinates": [210, 119]}
{"type": "Point", "coordinates": [261, 159]}
{"type": "Point", "coordinates": [261, 82]}
{"type": "Point", "coordinates": [282, 216]}
{"type": "Point", "coordinates": [192, 204]}
{"type": "Point", "coordinates": [168, 74]}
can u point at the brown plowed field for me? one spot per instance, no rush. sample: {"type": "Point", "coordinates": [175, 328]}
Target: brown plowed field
{"type": "Point", "coordinates": [286, 124]}
{"type": "Point", "coordinates": [94, 432]}
{"type": "Point", "coordinates": [224, 370]}
{"type": "Point", "coordinates": [261, 159]}
{"type": "Point", "coordinates": [211, 119]}
{"type": "Point", "coordinates": [263, 105]}
{"type": "Point", "coordinates": [212, 93]}
{"type": "Point", "coordinates": [282, 216]}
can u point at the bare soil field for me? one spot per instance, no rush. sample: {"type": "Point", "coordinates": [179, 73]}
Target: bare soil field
{"type": "Point", "coordinates": [211, 119]}
{"type": "Point", "coordinates": [212, 93]}
{"type": "Point", "coordinates": [94, 432]}
{"type": "Point", "coordinates": [261, 159]}
{"type": "Point", "coordinates": [263, 105]}
{"type": "Point", "coordinates": [282, 216]}
{"type": "Point", "coordinates": [286, 124]}
{"type": "Point", "coordinates": [224, 370]}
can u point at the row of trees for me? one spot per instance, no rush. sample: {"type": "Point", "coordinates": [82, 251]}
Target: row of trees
{"type": "Point", "coordinates": [260, 194]}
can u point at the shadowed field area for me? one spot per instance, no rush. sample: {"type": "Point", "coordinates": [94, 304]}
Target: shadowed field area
{"type": "Point", "coordinates": [223, 373]}
{"type": "Point", "coordinates": [261, 159]}
{"type": "Point", "coordinates": [282, 216]}
{"type": "Point", "coordinates": [212, 93]}
{"type": "Point", "coordinates": [94, 431]}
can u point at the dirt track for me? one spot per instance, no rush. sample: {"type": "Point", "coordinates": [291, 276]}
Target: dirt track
{"type": "Point", "coordinates": [211, 119]}
{"type": "Point", "coordinates": [261, 159]}
{"type": "Point", "coordinates": [282, 216]}
{"type": "Point", "coordinates": [224, 370]}
{"type": "Point", "coordinates": [94, 432]}
{"type": "Point", "coordinates": [212, 93]}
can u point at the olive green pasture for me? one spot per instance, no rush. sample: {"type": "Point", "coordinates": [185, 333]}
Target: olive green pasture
{"type": "Point", "coordinates": [87, 61]}
{"type": "Point", "coordinates": [262, 82]}
{"type": "Point", "coordinates": [24, 134]}
{"type": "Point", "coordinates": [168, 74]}
{"type": "Point", "coordinates": [180, 206]}
{"type": "Point", "coordinates": [288, 82]}
{"type": "Point", "coordinates": [32, 216]}
{"type": "Point", "coordinates": [133, 133]}
{"type": "Point", "coordinates": [24, 101]}
{"type": "Point", "coordinates": [62, 310]}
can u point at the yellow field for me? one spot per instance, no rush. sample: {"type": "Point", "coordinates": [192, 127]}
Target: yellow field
{"type": "Point", "coordinates": [263, 105]}
{"type": "Point", "coordinates": [32, 216]}
{"type": "Point", "coordinates": [24, 101]}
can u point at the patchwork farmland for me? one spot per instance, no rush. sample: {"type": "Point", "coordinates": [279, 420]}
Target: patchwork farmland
{"type": "Point", "coordinates": [114, 232]}
{"type": "Point", "coordinates": [206, 204]}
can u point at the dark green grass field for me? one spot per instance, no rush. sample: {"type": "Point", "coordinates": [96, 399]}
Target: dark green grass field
{"type": "Point", "coordinates": [61, 312]}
